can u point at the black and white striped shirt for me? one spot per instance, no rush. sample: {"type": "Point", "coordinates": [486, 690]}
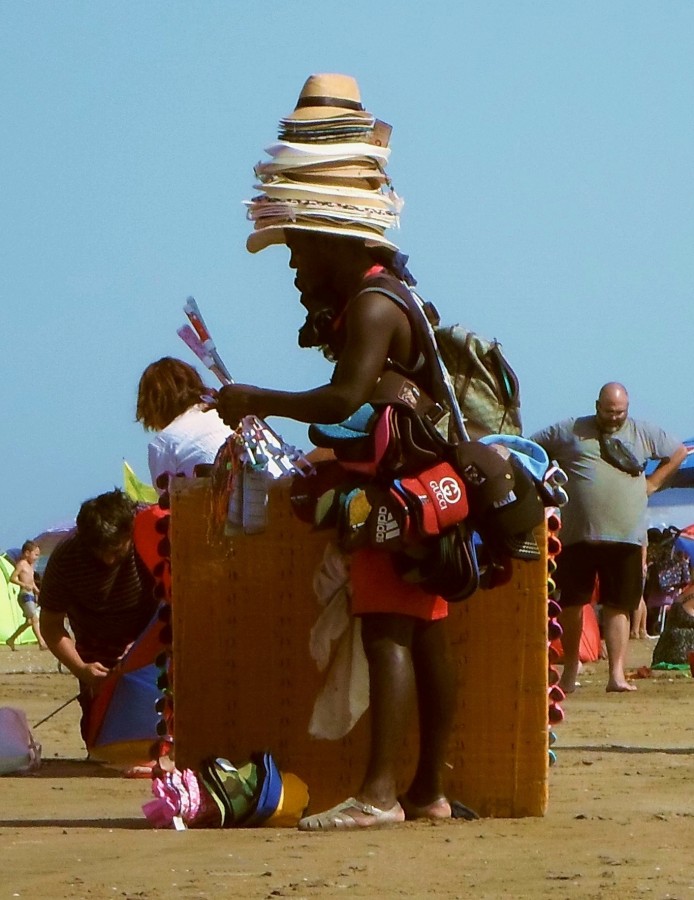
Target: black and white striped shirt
{"type": "Point", "coordinates": [107, 606]}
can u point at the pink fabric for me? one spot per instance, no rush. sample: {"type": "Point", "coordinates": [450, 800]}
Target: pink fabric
{"type": "Point", "coordinates": [179, 794]}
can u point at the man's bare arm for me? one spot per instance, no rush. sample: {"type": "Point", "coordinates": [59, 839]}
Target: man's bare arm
{"type": "Point", "coordinates": [373, 324]}
{"type": "Point", "coordinates": [63, 648]}
{"type": "Point", "coordinates": [666, 468]}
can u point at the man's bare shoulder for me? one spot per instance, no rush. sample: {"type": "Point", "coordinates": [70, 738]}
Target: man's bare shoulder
{"type": "Point", "coordinates": [375, 308]}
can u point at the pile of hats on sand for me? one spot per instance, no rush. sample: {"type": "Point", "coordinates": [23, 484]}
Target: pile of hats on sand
{"type": "Point", "coordinates": [222, 795]}
{"type": "Point", "coordinates": [327, 172]}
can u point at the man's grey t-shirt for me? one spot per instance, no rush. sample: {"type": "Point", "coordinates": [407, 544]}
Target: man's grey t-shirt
{"type": "Point", "coordinates": [605, 504]}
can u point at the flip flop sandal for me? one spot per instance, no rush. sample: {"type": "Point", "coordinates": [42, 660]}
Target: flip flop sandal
{"type": "Point", "coordinates": [353, 814]}
{"type": "Point", "coordinates": [458, 810]}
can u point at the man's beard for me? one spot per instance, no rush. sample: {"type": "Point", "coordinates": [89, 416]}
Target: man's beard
{"type": "Point", "coordinates": [317, 329]}
{"type": "Point", "coordinates": [609, 427]}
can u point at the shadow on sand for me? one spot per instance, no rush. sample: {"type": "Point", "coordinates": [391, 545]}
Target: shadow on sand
{"type": "Point", "coordinates": [627, 748]}
{"type": "Point", "coordinates": [111, 824]}
{"type": "Point", "coordinates": [68, 768]}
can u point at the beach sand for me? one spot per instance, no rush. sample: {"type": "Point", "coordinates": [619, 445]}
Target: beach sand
{"type": "Point", "coordinates": [619, 824]}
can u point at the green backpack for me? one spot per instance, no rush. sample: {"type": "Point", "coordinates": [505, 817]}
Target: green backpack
{"type": "Point", "coordinates": [483, 381]}
{"type": "Point", "coordinates": [466, 368]}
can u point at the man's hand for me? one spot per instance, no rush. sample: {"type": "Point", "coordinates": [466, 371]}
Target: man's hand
{"type": "Point", "coordinates": [93, 675]}
{"type": "Point", "coordinates": [234, 401]}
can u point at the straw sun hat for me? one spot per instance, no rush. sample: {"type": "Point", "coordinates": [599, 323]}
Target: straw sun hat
{"type": "Point", "coordinates": [327, 173]}
{"type": "Point", "coordinates": [325, 96]}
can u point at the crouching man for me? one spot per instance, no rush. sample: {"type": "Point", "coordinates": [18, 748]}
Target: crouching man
{"type": "Point", "coordinates": [97, 581]}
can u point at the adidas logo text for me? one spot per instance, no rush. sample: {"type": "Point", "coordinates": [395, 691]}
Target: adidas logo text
{"type": "Point", "coordinates": [386, 526]}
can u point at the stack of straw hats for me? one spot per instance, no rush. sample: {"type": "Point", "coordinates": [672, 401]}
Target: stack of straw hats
{"type": "Point", "coordinates": [327, 172]}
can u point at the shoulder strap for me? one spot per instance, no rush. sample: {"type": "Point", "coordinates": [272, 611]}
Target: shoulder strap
{"type": "Point", "coordinates": [416, 307]}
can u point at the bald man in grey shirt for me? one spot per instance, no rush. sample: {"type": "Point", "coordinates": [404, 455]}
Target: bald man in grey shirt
{"type": "Point", "coordinates": [604, 523]}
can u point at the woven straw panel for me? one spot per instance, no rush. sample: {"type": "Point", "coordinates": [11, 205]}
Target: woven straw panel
{"type": "Point", "coordinates": [244, 680]}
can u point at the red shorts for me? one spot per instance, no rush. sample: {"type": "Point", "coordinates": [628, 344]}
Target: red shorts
{"type": "Point", "coordinates": [377, 588]}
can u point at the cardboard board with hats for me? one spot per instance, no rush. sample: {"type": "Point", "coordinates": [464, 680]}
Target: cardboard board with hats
{"type": "Point", "coordinates": [498, 755]}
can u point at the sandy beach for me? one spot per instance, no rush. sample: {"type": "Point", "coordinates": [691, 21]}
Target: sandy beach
{"type": "Point", "coordinates": [620, 817]}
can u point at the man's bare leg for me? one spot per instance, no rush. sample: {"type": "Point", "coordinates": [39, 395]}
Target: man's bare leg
{"type": "Point", "coordinates": [616, 630]}
{"type": "Point", "coordinates": [638, 621]}
{"type": "Point", "coordinates": [435, 682]}
{"type": "Point", "coordinates": [387, 643]}
{"type": "Point", "coordinates": [571, 621]}
{"type": "Point", "coordinates": [12, 638]}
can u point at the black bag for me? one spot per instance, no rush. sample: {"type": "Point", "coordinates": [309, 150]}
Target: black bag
{"type": "Point", "coordinates": [617, 454]}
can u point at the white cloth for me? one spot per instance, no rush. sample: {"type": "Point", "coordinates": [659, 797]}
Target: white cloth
{"type": "Point", "coordinates": [344, 697]}
{"type": "Point", "coordinates": [194, 437]}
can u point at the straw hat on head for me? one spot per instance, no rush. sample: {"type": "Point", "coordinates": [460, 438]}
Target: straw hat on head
{"type": "Point", "coordinates": [327, 172]}
{"type": "Point", "coordinates": [275, 234]}
{"type": "Point", "coordinates": [326, 96]}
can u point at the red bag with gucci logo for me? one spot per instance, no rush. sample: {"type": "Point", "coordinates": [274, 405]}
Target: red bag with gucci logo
{"type": "Point", "coordinates": [437, 496]}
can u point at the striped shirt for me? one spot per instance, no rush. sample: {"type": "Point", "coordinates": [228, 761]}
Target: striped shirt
{"type": "Point", "coordinates": [107, 606]}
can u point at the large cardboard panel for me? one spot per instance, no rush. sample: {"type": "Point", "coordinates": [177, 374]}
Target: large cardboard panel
{"type": "Point", "coordinates": [244, 680]}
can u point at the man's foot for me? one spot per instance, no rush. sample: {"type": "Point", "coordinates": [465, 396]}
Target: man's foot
{"type": "Point", "coordinates": [437, 809]}
{"type": "Point", "coordinates": [619, 687]}
{"type": "Point", "coordinates": [352, 814]}
{"type": "Point", "coordinates": [568, 686]}
{"type": "Point", "coordinates": [43, 646]}
{"type": "Point", "coordinates": [10, 644]}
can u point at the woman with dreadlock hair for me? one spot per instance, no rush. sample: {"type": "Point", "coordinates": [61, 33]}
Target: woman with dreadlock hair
{"type": "Point", "coordinates": [169, 401]}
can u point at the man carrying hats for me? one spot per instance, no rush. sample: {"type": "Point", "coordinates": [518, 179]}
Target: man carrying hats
{"type": "Point", "coordinates": [327, 197]}
{"type": "Point", "coordinates": [604, 524]}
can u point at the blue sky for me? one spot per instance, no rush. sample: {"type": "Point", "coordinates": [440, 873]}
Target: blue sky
{"type": "Point", "coordinates": [545, 152]}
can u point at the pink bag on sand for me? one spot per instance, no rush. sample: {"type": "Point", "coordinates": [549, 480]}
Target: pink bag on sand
{"type": "Point", "coordinates": [19, 752]}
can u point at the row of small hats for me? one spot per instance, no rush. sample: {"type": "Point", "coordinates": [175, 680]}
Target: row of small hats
{"type": "Point", "coordinates": [327, 173]}
{"type": "Point", "coordinates": [254, 794]}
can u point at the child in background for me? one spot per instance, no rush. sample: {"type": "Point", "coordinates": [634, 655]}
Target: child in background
{"type": "Point", "coordinates": [24, 576]}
